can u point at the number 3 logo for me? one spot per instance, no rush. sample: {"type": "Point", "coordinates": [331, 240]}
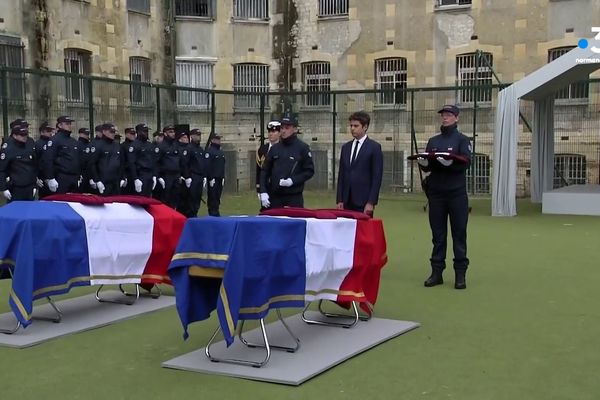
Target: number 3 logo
{"type": "Point", "coordinates": [596, 29]}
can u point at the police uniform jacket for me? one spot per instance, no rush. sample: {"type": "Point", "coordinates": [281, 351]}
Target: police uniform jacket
{"type": "Point", "coordinates": [195, 160]}
{"type": "Point", "coordinates": [169, 162]}
{"type": "Point", "coordinates": [17, 161]}
{"type": "Point", "coordinates": [216, 162]}
{"type": "Point", "coordinates": [106, 161]}
{"type": "Point", "coordinates": [453, 177]}
{"type": "Point", "coordinates": [290, 158]}
{"type": "Point", "coordinates": [62, 155]}
{"type": "Point", "coordinates": [261, 155]}
{"type": "Point", "coordinates": [141, 159]}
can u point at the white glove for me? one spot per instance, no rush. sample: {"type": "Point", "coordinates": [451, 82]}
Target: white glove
{"type": "Point", "coordinates": [79, 181]}
{"type": "Point", "coordinates": [444, 162]}
{"type": "Point", "coordinates": [101, 187]}
{"type": "Point", "coordinates": [212, 182]}
{"type": "Point", "coordinates": [39, 183]}
{"type": "Point", "coordinates": [153, 182]}
{"type": "Point", "coordinates": [123, 183]}
{"type": "Point", "coordinates": [7, 194]}
{"type": "Point", "coordinates": [204, 183]}
{"type": "Point", "coordinates": [188, 182]}
{"type": "Point", "coordinates": [34, 192]}
{"type": "Point", "coordinates": [286, 182]}
{"type": "Point", "coordinates": [264, 200]}
{"type": "Point", "coordinates": [162, 182]}
{"type": "Point", "coordinates": [52, 185]}
{"type": "Point", "coordinates": [138, 185]}
{"type": "Point", "coordinates": [423, 162]}
{"type": "Point", "coordinates": [223, 182]}
{"type": "Point", "coordinates": [93, 184]}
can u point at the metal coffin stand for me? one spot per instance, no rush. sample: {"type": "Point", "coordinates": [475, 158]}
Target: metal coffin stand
{"type": "Point", "coordinates": [336, 319]}
{"type": "Point", "coordinates": [130, 298]}
{"type": "Point", "coordinates": [56, 319]}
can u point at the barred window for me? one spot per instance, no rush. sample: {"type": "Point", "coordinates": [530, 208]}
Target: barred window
{"type": "Point", "coordinates": [77, 61]}
{"type": "Point", "coordinates": [474, 71]}
{"type": "Point", "coordinates": [449, 3]}
{"type": "Point", "coordinates": [11, 55]}
{"type": "Point", "coordinates": [481, 166]}
{"type": "Point", "coordinates": [249, 77]}
{"type": "Point", "coordinates": [316, 77]}
{"type": "Point", "coordinates": [390, 79]}
{"type": "Point", "coordinates": [251, 9]}
{"type": "Point", "coordinates": [333, 8]}
{"type": "Point", "coordinates": [578, 90]}
{"type": "Point", "coordinates": [142, 6]}
{"type": "Point", "coordinates": [195, 75]}
{"type": "Point", "coordinates": [569, 169]}
{"type": "Point", "coordinates": [139, 71]}
{"type": "Point", "coordinates": [195, 8]}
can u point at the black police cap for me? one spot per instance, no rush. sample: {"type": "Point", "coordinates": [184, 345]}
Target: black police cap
{"type": "Point", "coordinates": [451, 108]}
{"type": "Point", "coordinates": [64, 119]}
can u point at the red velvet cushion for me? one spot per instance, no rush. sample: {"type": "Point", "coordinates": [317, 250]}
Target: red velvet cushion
{"type": "Point", "coordinates": [299, 213]}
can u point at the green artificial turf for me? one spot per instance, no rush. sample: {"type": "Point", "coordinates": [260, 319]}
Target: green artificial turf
{"type": "Point", "coordinates": [527, 326]}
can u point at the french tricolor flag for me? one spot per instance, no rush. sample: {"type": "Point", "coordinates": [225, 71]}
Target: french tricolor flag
{"type": "Point", "coordinates": [84, 240]}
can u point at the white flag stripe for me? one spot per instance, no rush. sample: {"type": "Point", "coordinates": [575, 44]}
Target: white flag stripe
{"type": "Point", "coordinates": [119, 240]}
{"type": "Point", "coordinates": [329, 249]}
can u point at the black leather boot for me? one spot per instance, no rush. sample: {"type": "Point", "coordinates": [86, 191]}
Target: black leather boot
{"type": "Point", "coordinates": [435, 278]}
{"type": "Point", "coordinates": [460, 281]}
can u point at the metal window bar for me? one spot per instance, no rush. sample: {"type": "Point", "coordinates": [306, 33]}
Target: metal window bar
{"type": "Point", "coordinates": [251, 9]}
{"type": "Point", "coordinates": [333, 8]}
{"type": "Point", "coordinates": [142, 6]}
{"type": "Point", "coordinates": [195, 75]}
{"type": "Point", "coordinates": [249, 77]}
{"type": "Point", "coordinates": [76, 62]}
{"type": "Point", "coordinates": [569, 168]}
{"type": "Point", "coordinates": [317, 81]}
{"type": "Point", "coordinates": [194, 8]}
{"type": "Point", "coordinates": [139, 71]}
{"type": "Point", "coordinates": [471, 71]}
{"type": "Point", "coordinates": [481, 167]}
{"type": "Point", "coordinates": [11, 55]}
{"type": "Point", "coordinates": [577, 90]}
{"type": "Point", "coordinates": [390, 79]}
{"type": "Point", "coordinates": [453, 2]}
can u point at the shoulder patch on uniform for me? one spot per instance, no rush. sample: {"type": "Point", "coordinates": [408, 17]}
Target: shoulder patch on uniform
{"type": "Point", "coordinates": [206, 155]}
{"type": "Point", "coordinates": [49, 144]}
{"type": "Point", "coordinates": [5, 145]}
{"type": "Point", "coordinates": [131, 149]}
{"type": "Point", "coordinates": [309, 155]}
{"type": "Point", "coordinates": [470, 146]}
{"type": "Point", "coordinates": [87, 149]}
{"type": "Point", "coordinates": [185, 152]}
{"type": "Point", "coordinates": [156, 149]}
{"type": "Point", "coordinates": [44, 147]}
{"type": "Point", "coordinates": [93, 149]}
{"type": "Point", "coordinates": [2, 156]}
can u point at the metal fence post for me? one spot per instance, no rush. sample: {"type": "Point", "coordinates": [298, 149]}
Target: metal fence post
{"type": "Point", "coordinates": [90, 85]}
{"type": "Point", "coordinates": [4, 94]}
{"type": "Point", "coordinates": [213, 113]}
{"type": "Point", "coordinates": [158, 110]}
{"type": "Point", "coordinates": [413, 139]}
{"type": "Point", "coordinates": [475, 96]}
{"type": "Point", "coordinates": [262, 119]}
{"type": "Point", "coordinates": [333, 138]}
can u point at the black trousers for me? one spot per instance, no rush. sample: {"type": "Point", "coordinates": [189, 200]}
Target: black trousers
{"type": "Point", "coordinates": [170, 194]}
{"type": "Point", "coordinates": [196, 194]}
{"type": "Point", "coordinates": [453, 206]}
{"type": "Point", "coordinates": [67, 183]}
{"type": "Point", "coordinates": [111, 188]}
{"type": "Point", "coordinates": [147, 183]}
{"type": "Point", "coordinates": [289, 200]}
{"type": "Point", "coordinates": [20, 193]}
{"type": "Point", "coordinates": [213, 194]}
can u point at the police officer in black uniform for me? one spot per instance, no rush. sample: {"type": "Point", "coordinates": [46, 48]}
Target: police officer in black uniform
{"type": "Point", "coordinates": [288, 165]}
{"type": "Point", "coordinates": [184, 200]}
{"type": "Point", "coordinates": [18, 162]}
{"type": "Point", "coordinates": [61, 160]}
{"type": "Point", "coordinates": [274, 133]}
{"type": "Point", "coordinates": [107, 163]}
{"type": "Point", "coordinates": [129, 138]}
{"type": "Point", "coordinates": [169, 167]}
{"type": "Point", "coordinates": [95, 142]}
{"type": "Point", "coordinates": [446, 190]}
{"type": "Point", "coordinates": [195, 172]}
{"type": "Point", "coordinates": [215, 175]}
{"type": "Point", "coordinates": [141, 162]}
{"type": "Point", "coordinates": [46, 133]}
{"type": "Point", "coordinates": [84, 152]}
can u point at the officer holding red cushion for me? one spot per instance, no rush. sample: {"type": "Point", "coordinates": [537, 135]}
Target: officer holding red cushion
{"type": "Point", "coordinates": [446, 191]}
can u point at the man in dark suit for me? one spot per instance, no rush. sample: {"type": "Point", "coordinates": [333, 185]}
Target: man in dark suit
{"type": "Point", "coordinates": [360, 169]}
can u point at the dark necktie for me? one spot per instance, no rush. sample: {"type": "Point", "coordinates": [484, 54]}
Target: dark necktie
{"type": "Point", "coordinates": [354, 152]}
